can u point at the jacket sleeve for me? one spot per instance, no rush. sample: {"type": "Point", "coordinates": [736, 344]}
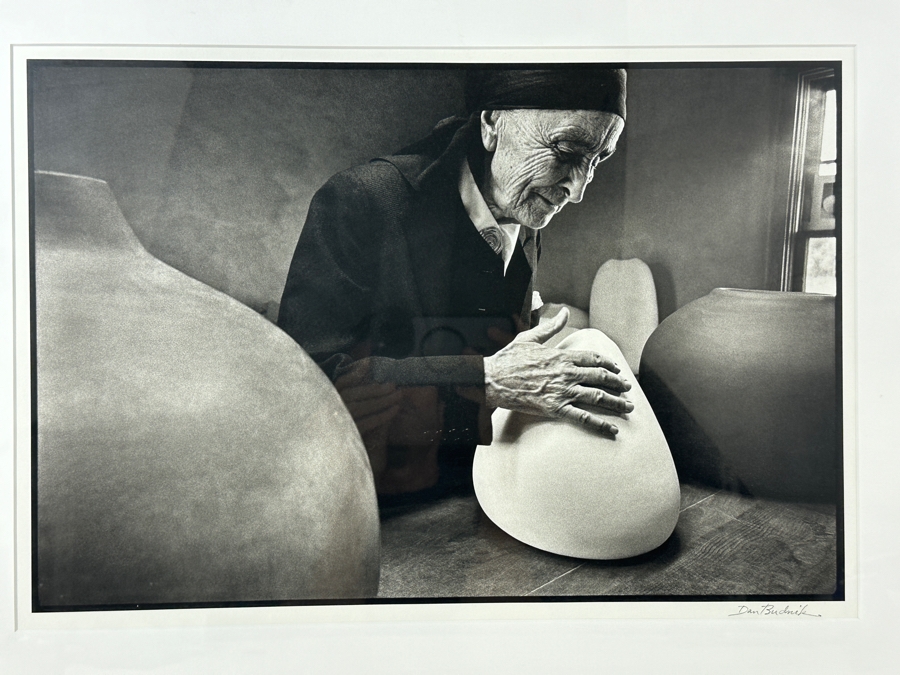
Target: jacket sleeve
{"type": "Point", "coordinates": [329, 297]}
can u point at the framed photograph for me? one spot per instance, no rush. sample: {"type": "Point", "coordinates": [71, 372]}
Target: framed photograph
{"type": "Point", "coordinates": [267, 372]}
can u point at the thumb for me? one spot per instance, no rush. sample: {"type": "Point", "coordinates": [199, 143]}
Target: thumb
{"type": "Point", "coordinates": [544, 331]}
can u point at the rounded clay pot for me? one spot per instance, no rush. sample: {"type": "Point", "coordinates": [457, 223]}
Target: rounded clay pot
{"type": "Point", "coordinates": [568, 490]}
{"type": "Point", "coordinates": [623, 306]}
{"type": "Point", "coordinates": [187, 450]}
{"type": "Point", "coordinates": [743, 384]}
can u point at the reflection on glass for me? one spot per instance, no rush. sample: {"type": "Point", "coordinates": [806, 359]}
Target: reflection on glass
{"type": "Point", "coordinates": [820, 268]}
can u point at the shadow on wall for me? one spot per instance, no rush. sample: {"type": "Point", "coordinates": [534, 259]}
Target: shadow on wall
{"type": "Point", "coordinates": [665, 288]}
{"type": "Point", "coordinates": [215, 167]}
{"type": "Point", "coordinates": [118, 124]}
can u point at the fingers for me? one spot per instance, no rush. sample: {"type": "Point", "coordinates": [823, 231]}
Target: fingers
{"type": "Point", "coordinates": [544, 331]}
{"type": "Point", "coordinates": [588, 419]}
{"type": "Point", "coordinates": [363, 407]}
{"type": "Point", "coordinates": [370, 404]}
{"type": "Point", "coordinates": [364, 391]}
{"type": "Point", "coordinates": [602, 399]}
{"type": "Point", "coordinates": [367, 424]}
{"type": "Point", "coordinates": [592, 359]}
{"type": "Point", "coordinates": [600, 377]}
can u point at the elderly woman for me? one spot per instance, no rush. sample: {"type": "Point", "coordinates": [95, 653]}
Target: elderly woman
{"type": "Point", "coordinates": [412, 280]}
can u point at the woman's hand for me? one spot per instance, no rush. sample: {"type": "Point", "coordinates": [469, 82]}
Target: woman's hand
{"type": "Point", "coordinates": [528, 377]}
{"type": "Point", "coordinates": [373, 406]}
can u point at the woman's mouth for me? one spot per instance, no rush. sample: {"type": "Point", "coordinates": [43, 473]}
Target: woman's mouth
{"type": "Point", "coordinates": [546, 202]}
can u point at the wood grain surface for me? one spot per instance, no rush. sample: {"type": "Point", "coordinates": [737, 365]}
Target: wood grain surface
{"type": "Point", "coordinates": [724, 544]}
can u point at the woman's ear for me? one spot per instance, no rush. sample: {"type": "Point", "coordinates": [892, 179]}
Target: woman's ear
{"type": "Point", "coordinates": [489, 129]}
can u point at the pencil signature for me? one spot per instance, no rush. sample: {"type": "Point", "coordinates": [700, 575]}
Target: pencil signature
{"type": "Point", "coordinates": [772, 610]}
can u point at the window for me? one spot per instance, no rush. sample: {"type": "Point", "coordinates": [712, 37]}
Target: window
{"type": "Point", "coordinates": [810, 242]}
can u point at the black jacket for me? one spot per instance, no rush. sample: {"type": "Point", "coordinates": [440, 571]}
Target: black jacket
{"type": "Point", "coordinates": [389, 264]}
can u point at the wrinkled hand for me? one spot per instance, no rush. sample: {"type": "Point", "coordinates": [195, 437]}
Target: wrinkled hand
{"type": "Point", "coordinates": [528, 377]}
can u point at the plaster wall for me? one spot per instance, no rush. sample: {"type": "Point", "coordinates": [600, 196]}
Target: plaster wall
{"type": "Point", "coordinates": [697, 190]}
{"type": "Point", "coordinates": [214, 168]}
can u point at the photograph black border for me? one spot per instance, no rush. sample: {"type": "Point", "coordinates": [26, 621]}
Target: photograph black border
{"type": "Point", "coordinates": [839, 594]}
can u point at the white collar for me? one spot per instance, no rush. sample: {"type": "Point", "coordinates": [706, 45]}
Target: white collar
{"type": "Point", "coordinates": [481, 216]}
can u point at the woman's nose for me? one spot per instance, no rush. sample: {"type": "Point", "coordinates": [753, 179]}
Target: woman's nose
{"type": "Point", "coordinates": [575, 183]}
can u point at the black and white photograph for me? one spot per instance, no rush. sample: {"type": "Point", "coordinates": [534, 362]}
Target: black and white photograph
{"type": "Point", "coordinates": [448, 337]}
{"type": "Point", "coordinates": [382, 333]}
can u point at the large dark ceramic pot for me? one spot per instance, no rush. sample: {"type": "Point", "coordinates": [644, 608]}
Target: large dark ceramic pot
{"type": "Point", "coordinates": [744, 386]}
{"type": "Point", "coordinates": [187, 450]}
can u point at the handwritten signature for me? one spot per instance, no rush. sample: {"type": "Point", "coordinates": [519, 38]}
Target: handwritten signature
{"type": "Point", "coordinates": [772, 610]}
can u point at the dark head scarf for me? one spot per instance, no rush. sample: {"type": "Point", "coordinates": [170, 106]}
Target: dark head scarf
{"type": "Point", "coordinates": [569, 88]}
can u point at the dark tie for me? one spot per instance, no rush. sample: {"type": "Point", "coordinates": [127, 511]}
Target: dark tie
{"type": "Point", "coordinates": [531, 245]}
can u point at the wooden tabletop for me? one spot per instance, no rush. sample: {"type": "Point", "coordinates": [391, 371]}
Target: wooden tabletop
{"type": "Point", "coordinates": [725, 544]}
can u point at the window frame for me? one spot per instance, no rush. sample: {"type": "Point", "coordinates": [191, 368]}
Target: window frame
{"type": "Point", "coordinates": [805, 161]}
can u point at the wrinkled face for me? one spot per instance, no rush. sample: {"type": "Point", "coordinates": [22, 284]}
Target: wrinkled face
{"type": "Point", "coordinates": [540, 160]}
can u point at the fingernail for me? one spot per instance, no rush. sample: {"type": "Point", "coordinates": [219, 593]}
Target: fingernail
{"type": "Point", "coordinates": [629, 407]}
{"type": "Point", "coordinates": [613, 429]}
{"type": "Point", "coordinates": [627, 386]}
